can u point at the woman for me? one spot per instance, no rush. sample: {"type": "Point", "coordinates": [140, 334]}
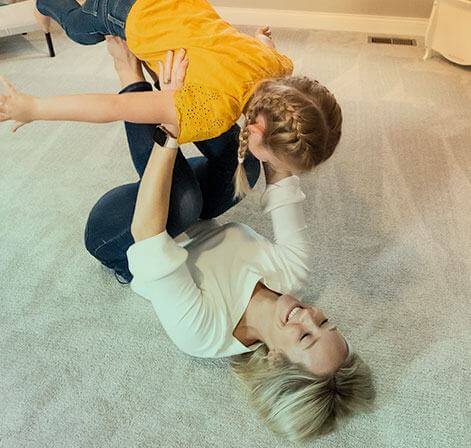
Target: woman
{"type": "Point", "coordinates": [225, 291]}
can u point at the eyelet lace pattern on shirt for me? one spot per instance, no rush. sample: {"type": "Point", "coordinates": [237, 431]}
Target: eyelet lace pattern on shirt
{"type": "Point", "coordinates": [204, 112]}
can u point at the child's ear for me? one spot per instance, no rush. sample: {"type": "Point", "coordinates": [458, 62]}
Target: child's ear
{"type": "Point", "coordinates": [259, 126]}
{"type": "Point", "coordinates": [256, 129]}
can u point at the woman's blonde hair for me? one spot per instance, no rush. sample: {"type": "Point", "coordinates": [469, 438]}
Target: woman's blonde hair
{"type": "Point", "coordinates": [295, 402]}
{"type": "Point", "coordinates": [304, 123]}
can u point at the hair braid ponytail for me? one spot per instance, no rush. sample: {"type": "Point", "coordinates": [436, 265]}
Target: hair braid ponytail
{"type": "Point", "coordinates": [241, 183]}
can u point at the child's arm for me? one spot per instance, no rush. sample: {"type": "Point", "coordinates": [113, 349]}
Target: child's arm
{"type": "Point", "coordinates": [138, 107]}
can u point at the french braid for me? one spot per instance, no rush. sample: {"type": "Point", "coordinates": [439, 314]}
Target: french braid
{"type": "Point", "coordinates": [303, 124]}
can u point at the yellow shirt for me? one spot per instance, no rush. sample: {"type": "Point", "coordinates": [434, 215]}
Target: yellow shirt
{"type": "Point", "coordinates": [224, 67]}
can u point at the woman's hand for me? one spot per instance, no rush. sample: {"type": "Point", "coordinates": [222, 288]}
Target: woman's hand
{"type": "Point", "coordinates": [172, 76]}
{"type": "Point", "coordinates": [263, 34]}
{"type": "Point", "coordinates": [172, 73]}
{"type": "Point", "coordinates": [16, 106]}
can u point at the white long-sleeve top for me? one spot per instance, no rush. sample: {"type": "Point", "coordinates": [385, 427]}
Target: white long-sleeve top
{"type": "Point", "coordinates": [201, 285]}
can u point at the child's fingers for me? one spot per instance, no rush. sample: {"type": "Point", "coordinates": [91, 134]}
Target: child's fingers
{"type": "Point", "coordinates": [10, 87]}
{"type": "Point", "coordinates": [3, 108]}
{"type": "Point", "coordinates": [17, 126]}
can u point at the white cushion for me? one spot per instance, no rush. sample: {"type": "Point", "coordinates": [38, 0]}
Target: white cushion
{"type": "Point", "coordinates": [17, 18]}
{"type": "Point", "coordinates": [449, 30]}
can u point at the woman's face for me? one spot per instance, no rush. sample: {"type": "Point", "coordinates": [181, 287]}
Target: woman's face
{"type": "Point", "coordinates": [305, 335]}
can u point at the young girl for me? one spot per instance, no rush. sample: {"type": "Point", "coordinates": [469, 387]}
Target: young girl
{"type": "Point", "coordinates": [289, 121]}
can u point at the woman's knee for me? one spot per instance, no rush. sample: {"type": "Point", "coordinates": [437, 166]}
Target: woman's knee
{"type": "Point", "coordinates": [110, 219]}
{"type": "Point", "coordinates": [185, 210]}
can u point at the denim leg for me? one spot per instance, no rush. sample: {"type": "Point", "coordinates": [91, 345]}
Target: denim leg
{"type": "Point", "coordinates": [139, 136]}
{"type": "Point", "coordinates": [107, 233]}
{"type": "Point", "coordinates": [216, 170]}
{"type": "Point", "coordinates": [115, 14]}
{"type": "Point", "coordinates": [81, 23]}
{"type": "Point", "coordinates": [108, 230]}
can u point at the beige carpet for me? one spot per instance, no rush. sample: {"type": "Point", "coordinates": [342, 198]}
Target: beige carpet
{"type": "Point", "coordinates": [85, 363]}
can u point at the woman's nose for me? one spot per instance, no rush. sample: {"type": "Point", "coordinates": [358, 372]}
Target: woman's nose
{"type": "Point", "coordinates": [308, 317]}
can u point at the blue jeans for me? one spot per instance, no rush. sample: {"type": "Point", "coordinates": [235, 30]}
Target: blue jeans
{"type": "Point", "coordinates": [90, 23]}
{"type": "Point", "coordinates": [202, 188]}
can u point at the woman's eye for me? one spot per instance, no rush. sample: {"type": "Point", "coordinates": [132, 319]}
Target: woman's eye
{"type": "Point", "coordinates": [324, 322]}
{"type": "Point", "coordinates": [304, 335]}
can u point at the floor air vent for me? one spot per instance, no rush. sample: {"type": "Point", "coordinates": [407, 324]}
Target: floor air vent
{"type": "Point", "coordinates": [392, 41]}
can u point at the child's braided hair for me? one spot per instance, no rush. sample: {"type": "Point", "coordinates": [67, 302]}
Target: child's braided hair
{"type": "Point", "coordinates": [303, 124]}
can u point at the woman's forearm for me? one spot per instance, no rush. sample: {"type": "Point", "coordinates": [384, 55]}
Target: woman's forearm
{"type": "Point", "coordinates": [152, 204]}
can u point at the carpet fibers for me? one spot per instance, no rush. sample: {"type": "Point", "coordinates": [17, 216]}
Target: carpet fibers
{"type": "Point", "coordinates": [84, 362]}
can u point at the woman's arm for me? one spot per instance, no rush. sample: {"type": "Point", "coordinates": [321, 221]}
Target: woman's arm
{"type": "Point", "coordinates": [152, 204]}
{"type": "Point", "coordinates": [159, 267]}
{"type": "Point", "coordinates": [290, 253]}
{"type": "Point", "coordinates": [155, 260]}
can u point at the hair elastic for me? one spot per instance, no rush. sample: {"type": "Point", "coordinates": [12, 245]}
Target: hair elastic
{"type": "Point", "coordinates": [241, 160]}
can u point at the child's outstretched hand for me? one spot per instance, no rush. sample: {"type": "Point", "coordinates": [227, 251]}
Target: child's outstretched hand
{"type": "Point", "coordinates": [263, 34]}
{"type": "Point", "coordinates": [16, 106]}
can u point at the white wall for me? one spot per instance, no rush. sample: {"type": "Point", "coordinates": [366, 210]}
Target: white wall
{"type": "Point", "coordinates": [401, 8]}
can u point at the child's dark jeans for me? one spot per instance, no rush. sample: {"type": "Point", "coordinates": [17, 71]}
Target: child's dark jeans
{"type": "Point", "coordinates": [90, 23]}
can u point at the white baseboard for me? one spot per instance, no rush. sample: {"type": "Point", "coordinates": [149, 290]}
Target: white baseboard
{"type": "Point", "coordinates": [398, 26]}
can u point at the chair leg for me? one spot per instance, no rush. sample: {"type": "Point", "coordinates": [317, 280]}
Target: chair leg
{"type": "Point", "coordinates": [44, 22]}
{"type": "Point", "coordinates": [50, 46]}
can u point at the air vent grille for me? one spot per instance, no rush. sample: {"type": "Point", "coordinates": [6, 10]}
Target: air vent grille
{"type": "Point", "coordinates": [391, 40]}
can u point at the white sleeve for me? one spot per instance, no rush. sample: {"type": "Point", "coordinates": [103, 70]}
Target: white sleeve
{"type": "Point", "coordinates": [289, 255]}
{"type": "Point", "coordinates": [158, 265]}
